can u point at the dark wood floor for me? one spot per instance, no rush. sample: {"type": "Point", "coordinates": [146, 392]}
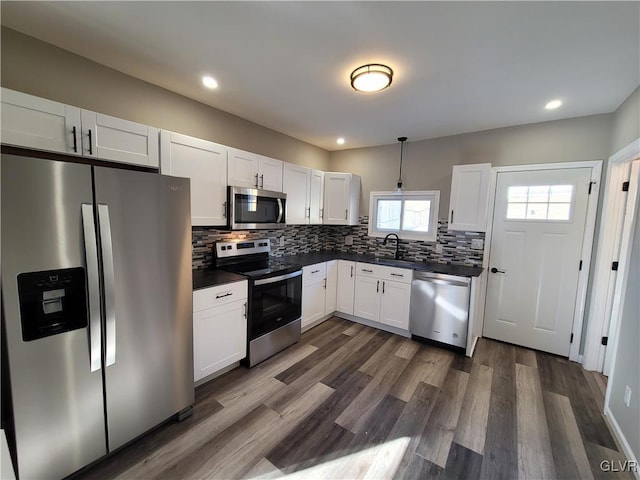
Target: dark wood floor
{"type": "Point", "coordinates": [350, 401]}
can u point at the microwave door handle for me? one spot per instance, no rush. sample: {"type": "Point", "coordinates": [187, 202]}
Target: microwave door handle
{"type": "Point", "coordinates": [280, 211]}
{"type": "Point", "coordinates": [109, 284]}
{"type": "Point", "coordinates": [93, 284]}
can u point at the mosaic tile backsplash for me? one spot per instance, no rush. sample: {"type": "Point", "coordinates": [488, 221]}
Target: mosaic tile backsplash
{"type": "Point", "coordinates": [456, 246]}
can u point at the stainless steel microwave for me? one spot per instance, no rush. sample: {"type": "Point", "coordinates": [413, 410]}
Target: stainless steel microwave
{"type": "Point", "coordinates": [253, 209]}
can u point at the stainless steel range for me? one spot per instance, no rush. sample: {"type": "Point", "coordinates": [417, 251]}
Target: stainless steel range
{"type": "Point", "coordinates": [275, 296]}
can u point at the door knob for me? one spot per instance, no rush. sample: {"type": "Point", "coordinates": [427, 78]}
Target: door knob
{"type": "Point", "coordinates": [495, 270]}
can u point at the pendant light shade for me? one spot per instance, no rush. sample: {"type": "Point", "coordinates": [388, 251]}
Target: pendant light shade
{"type": "Point", "coordinates": [371, 78]}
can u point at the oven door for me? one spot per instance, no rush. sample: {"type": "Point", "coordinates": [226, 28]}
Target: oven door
{"type": "Point", "coordinates": [275, 302]}
{"type": "Point", "coordinates": [255, 209]}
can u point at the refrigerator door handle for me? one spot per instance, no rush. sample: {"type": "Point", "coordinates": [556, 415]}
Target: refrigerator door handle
{"type": "Point", "coordinates": [109, 284]}
{"type": "Point", "coordinates": [93, 283]}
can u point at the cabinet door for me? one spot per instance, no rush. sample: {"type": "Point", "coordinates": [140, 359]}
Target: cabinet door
{"type": "Point", "coordinates": [316, 195]}
{"type": "Point", "coordinates": [34, 122]}
{"type": "Point", "coordinates": [205, 163]}
{"type": "Point", "coordinates": [220, 338]}
{"type": "Point", "coordinates": [312, 303]}
{"type": "Point", "coordinates": [346, 286]}
{"type": "Point", "coordinates": [469, 197]}
{"type": "Point", "coordinates": [394, 304]}
{"type": "Point", "coordinates": [331, 284]}
{"type": "Point", "coordinates": [367, 298]}
{"type": "Point", "coordinates": [270, 173]}
{"type": "Point", "coordinates": [243, 168]}
{"type": "Point", "coordinates": [336, 198]}
{"type": "Point", "coordinates": [295, 183]}
{"type": "Point", "coordinates": [117, 140]}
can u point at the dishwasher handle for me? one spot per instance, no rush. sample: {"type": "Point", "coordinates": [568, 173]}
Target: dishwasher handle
{"type": "Point", "coordinates": [443, 279]}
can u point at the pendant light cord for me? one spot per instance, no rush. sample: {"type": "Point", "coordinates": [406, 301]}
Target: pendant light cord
{"type": "Point", "coordinates": [401, 140]}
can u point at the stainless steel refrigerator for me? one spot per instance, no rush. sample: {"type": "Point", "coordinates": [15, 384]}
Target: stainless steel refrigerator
{"type": "Point", "coordinates": [97, 306]}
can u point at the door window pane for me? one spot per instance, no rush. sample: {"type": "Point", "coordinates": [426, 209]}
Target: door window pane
{"type": "Point", "coordinates": [416, 215]}
{"type": "Point", "coordinates": [561, 193]}
{"type": "Point", "coordinates": [559, 211]}
{"type": "Point", "coordinates": [388, 214]}
{"type": "Point", "coordinates": [518, 194]}
{"type": "Point", "coordinates": [538, 193]}
{"type": "Point", "coordinates": [516, 211]}
{"type": "Point", "coordinates": [537, 211]}
{"type": "Point", "coordinates": [540, 202]}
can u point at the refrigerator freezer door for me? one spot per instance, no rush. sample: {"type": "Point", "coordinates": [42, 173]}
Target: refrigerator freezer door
{"type": "Point", "coordinates": [150, 246]}
{"type": "Point", "coordinates": [57, 400]}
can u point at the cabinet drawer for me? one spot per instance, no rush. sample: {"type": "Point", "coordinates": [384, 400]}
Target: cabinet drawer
{"type": "Point", "coordinates": [219, 295]}
{"type": "Point", "coordinates": [403, 275]}
{"type": "Point", "coordinates": [368, 270]}
{"type": "Point", "coordinates": [314, 273]}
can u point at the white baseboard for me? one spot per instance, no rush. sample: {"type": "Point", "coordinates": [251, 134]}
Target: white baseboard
{"type": "Point", "coordinates": [621, 439]}
{"type": "Point", "coordinates": [378, 325]}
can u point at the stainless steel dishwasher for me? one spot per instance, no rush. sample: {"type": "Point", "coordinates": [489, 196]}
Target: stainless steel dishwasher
{"type": "Point", "coordinates": [440, 308]}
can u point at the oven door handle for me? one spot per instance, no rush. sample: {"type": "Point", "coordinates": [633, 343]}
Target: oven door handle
{"type": "Point", "coordinates": [266, 281]}
{"type": "Point", "coordinates": [280, 211]}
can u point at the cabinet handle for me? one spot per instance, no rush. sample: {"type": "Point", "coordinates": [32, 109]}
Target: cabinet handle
{"type": "Point", "coordinates": [224, 210]}
{"type": "Point", "coordinates": [315, 271]}
{"type": "Point", "coordinates": [346, 214]}
{"type": "Point", "coordinates": [90, 144]}
{"type": "Point", "coordinates": [225, 295]}
{"type": "Point", "coordinates": [245, 309]}
{"type": "Point", "coordinates": [396, 275]}
{"type": "Point", "coordinates": [256, 180]}
{"type": "Point", "coordinates": [351, 271]}
{"type": "Point", "coordinates": [325, 283]}
{"type": "Point", "coordinates": [378, 286]}
{"type": "Point", "coordinates": [75, 141]}
{"type": "Point", "coordinates": [322, 213]}
{"type": "Point", "coordinates": [383, 287]}
{"type": "Point", "coordinates": [262, 179]}
{"type": "Point", "coordinates": [365, 270]}
{"type": "Point", "coordinates": [451, 216]}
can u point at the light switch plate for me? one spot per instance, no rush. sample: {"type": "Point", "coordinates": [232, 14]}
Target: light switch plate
{"type": "Point", "coordinates": [348, 240]}
{"type": "Point", "coordinates": [477, 243]}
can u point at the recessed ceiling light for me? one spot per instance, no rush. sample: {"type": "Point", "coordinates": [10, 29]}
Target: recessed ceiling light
{"type": "Point", "coordinates": [553, 104]}
{"type": "Point", "coordinates": [340, 141]}
{"type": "Point", "coordinates": [371, 78]}
{"type": "Point", "coordinates": [209, 82]}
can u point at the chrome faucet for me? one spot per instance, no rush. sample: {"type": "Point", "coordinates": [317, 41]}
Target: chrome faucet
{"type": "Point", "coordinates": [384, 242]}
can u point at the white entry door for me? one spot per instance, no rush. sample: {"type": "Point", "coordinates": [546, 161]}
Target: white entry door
{"type": "Point", "coordinates": [538, 229]}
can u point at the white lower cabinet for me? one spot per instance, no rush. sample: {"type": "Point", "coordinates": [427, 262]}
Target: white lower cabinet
{"type": "Point", "coordinates": [219, 327]}
{"type": "Point", "coordinates": [379, 299]}
{"type": "Point", "coordinates": [346, 286]}
{"type": "Point", "coordinates": [319, 283]}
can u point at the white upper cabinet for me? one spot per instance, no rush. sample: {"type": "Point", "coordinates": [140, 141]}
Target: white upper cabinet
{"type": "Point", "coordinates": [341, 198]}
{"type": "Point", "coordinates": [111, 138]}
{"type": "Point", "coordinates": [270, 173]}
{"type": "Point", "coordinates": [205, 163]}
{"type": "Point", "coordinates": [316, 195]}
{"type": "Point", "coordinates": [469, 200]}
{"type": "Point", "coordinates": [251, 170]}
{"type": "Point", "coordinates": [296, 182]}
{"type": "Point", "coordinates": [35, 122]}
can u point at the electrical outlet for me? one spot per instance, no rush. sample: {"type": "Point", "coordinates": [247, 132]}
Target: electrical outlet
{"type": "Point", "coordinates": [627, 396]}
{"type": "Point", "coordinates": [438, 248]}
{"type": "Point", "coordinates": [477, 243]}
{"type": "Point", "coordinates": [282, 241]}
{"type": "Point", "coordinates": [348, 240]}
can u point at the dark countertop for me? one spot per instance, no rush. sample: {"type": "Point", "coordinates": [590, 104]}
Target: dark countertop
{"type": "Point", "coordinates": [210, 277]}
{"type": "Point", "coordinates": [306, 259]}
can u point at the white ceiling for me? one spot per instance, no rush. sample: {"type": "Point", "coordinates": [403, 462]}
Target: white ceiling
{"type": "Point", "coordinates": [459, 66]}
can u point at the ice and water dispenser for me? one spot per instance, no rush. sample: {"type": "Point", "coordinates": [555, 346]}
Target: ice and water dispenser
{"type": "Point", "coordinates": [52, 302]}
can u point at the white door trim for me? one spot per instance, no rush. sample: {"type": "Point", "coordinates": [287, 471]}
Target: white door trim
{"type": "Point", "coordinates": [587, 243]}
{"type": "Point", "coordinates": [594, 351]}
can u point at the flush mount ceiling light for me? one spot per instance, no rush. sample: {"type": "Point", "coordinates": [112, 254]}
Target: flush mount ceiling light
{"type": "Point", "coordinates": [340, 141]}
{"type": "Point", "coordinates": [371, 78]}
{"type": "Point", "coordinates": [553, 104]}
{"type": "Point", "coordinates": [209, 82]}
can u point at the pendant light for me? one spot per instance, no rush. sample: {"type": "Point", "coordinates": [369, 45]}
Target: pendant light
{"type": "Point", "coordinates": [401, 140]}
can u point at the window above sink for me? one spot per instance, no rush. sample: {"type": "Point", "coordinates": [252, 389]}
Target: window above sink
{"type": "Point", "coordinates": [410, 215]}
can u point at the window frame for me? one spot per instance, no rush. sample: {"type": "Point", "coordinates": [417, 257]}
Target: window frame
{"type": "Point", "coordinates": [425, 195]}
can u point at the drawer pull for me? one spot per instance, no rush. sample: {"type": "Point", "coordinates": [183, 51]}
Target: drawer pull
{"type": "Point", "coordinates": [225, 295]}
{"type": "Point", "coordinates": [315, 271]}
{"type": "Point", "coordinates": [397, 275]}
{"type": "Point", "coordinates": [365, 270]}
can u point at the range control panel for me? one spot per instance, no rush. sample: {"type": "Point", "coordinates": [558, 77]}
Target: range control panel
{"type": "Point", "coordinates": [237, 248]}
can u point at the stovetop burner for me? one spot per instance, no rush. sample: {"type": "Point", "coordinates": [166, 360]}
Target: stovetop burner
{"type": "Point", "coordinates": [251, 258]}
{"type": "Point", "coordinates": [262, 269]}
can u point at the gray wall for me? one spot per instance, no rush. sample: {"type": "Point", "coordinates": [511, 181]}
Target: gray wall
{"type": "Point", "coordinates": [32, 66]}
{"type": "Point", "coordinates": [626, 128]}
{"type": "Point", "coordinates": [427, 163]}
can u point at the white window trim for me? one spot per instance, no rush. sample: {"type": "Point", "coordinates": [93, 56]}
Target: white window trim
{"type": "Point", "coordinates": [431, 236]}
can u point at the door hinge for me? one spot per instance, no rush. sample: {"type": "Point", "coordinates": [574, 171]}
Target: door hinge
{"type": "Point", "coordinates": [580, 266]}
{"type": "Point", "coordinates": [571, 340]}
{"type": "Point", "coordinates": [590, 186]}
{"type": "Point", "coordinates": [625, 186]}
{"type": "Point", "coordinates": [604, 340]}
{"type": "Point", "coordinates": [614, 266]}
